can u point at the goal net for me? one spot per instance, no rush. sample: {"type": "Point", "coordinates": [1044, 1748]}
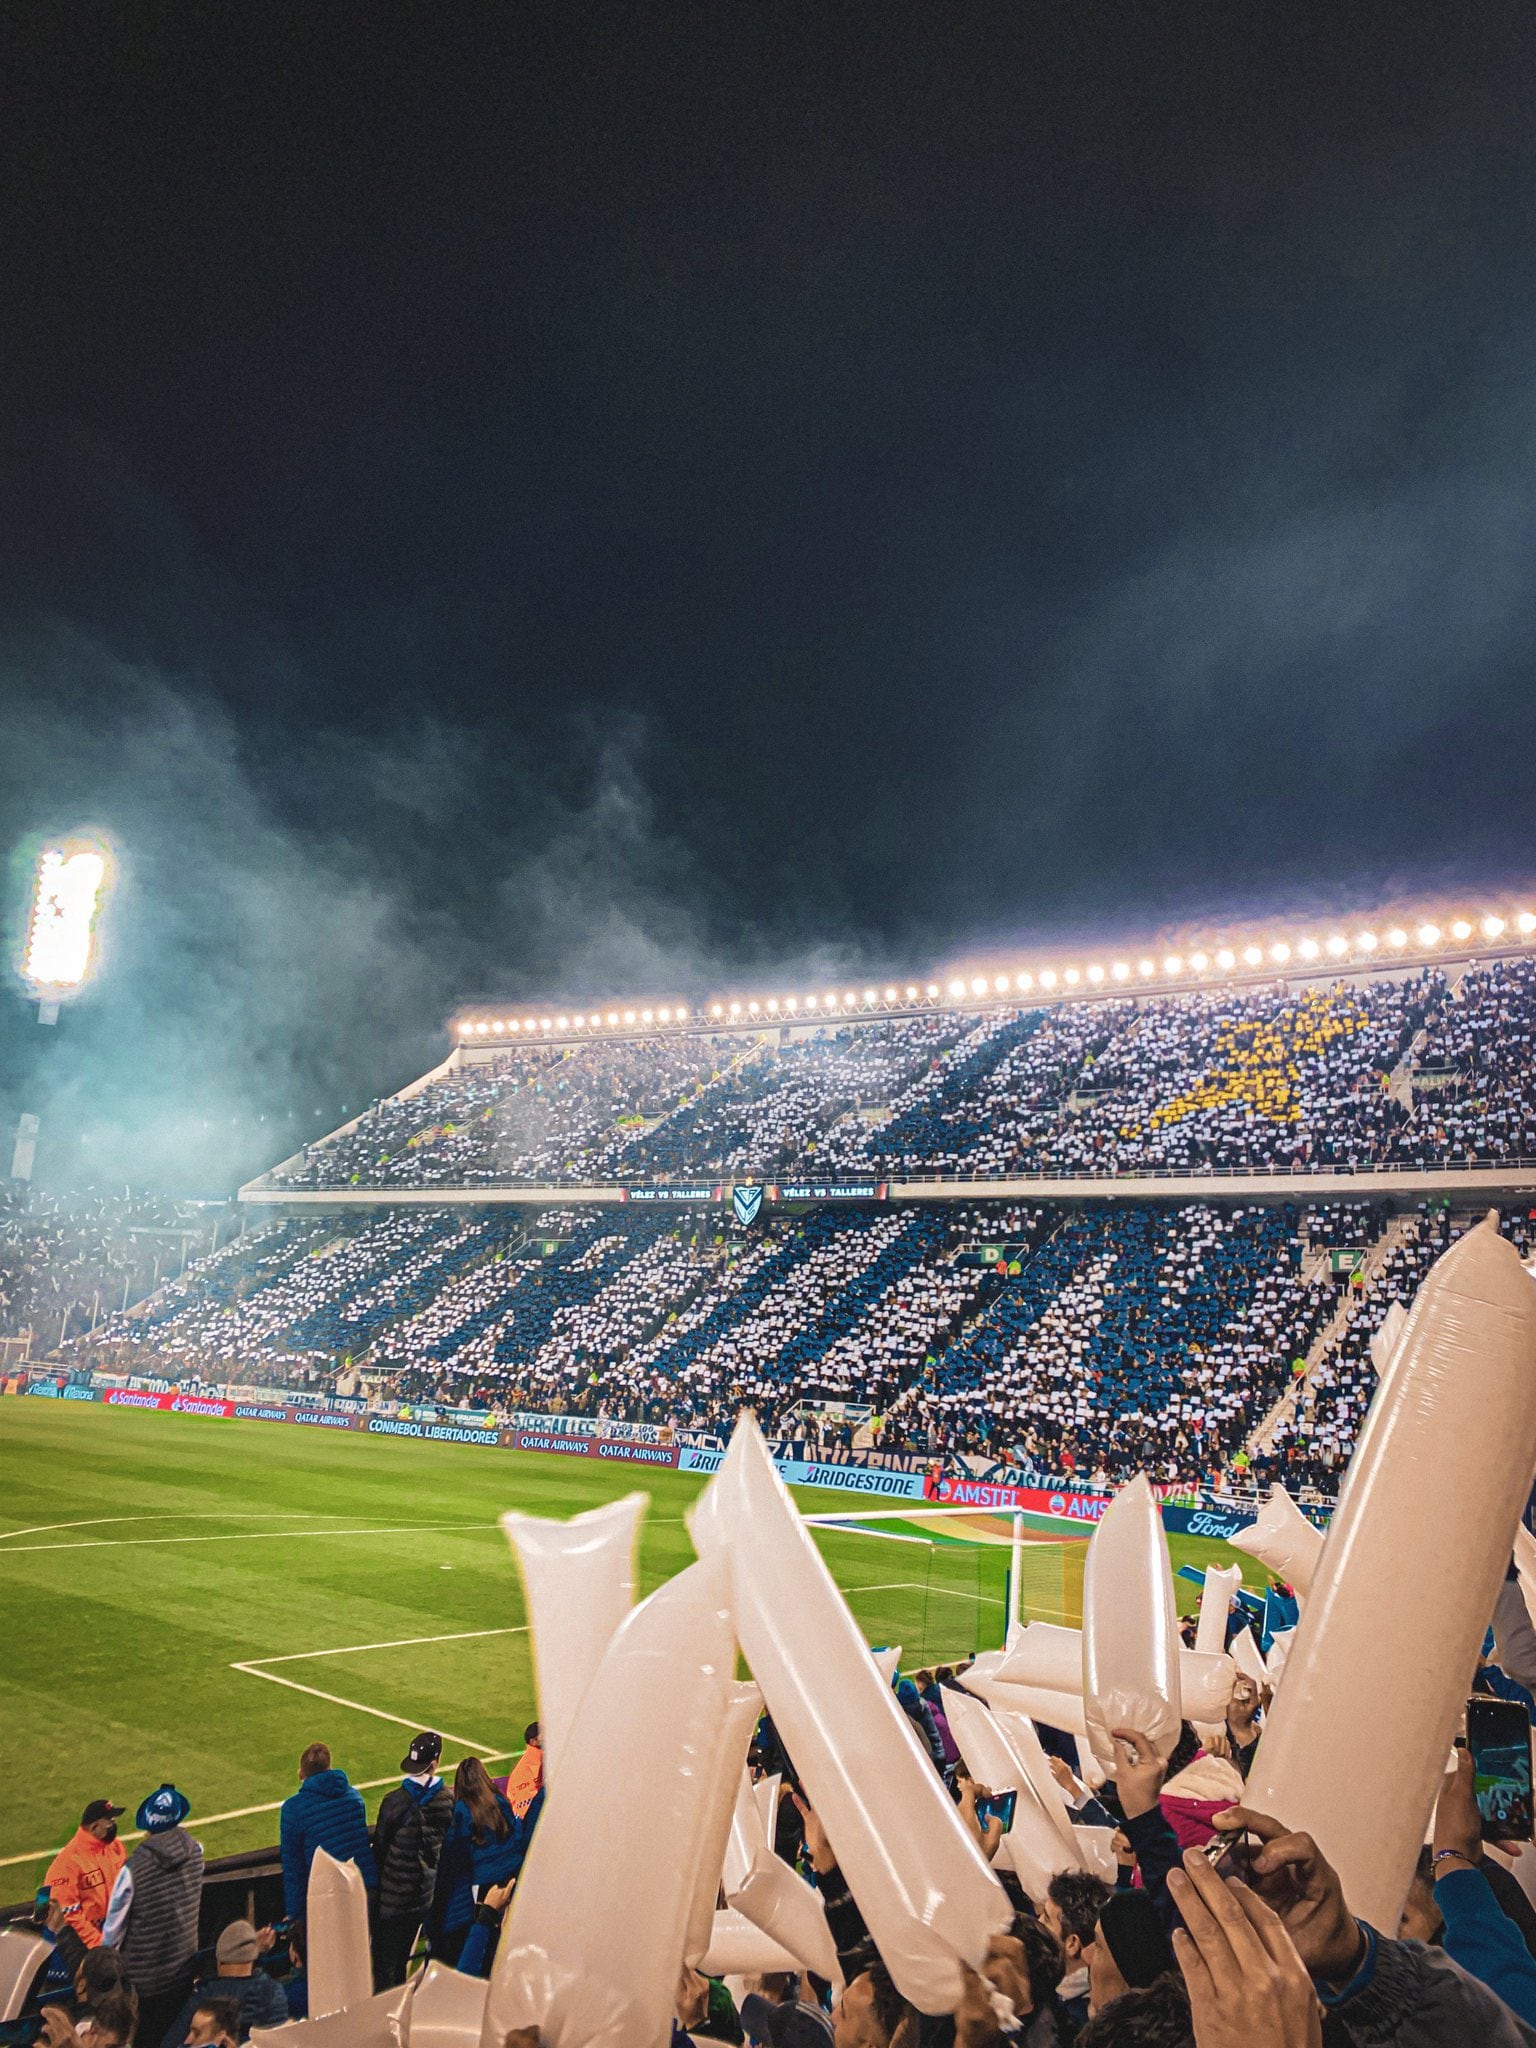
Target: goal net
{"type": "Point", "coordinates": [940, 1581]}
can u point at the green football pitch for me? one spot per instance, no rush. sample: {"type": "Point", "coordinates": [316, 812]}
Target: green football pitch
{"type": "Point", "coordinates": [198, 1600]}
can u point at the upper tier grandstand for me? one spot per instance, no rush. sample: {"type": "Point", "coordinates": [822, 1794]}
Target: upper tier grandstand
{"type": "Point", "coordinates": [1420, 1068]}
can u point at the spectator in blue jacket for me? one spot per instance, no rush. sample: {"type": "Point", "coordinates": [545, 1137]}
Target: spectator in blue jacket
{"type": "Point", "coordinates": [486, 1845]}
{"type": "Point", "coordinates": [325, 1813]}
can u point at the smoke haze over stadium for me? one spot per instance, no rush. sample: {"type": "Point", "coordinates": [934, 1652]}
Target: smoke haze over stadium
{"type": "Point", "coordinates": [583, 501]}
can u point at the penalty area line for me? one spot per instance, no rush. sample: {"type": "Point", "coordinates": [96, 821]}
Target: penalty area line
{"type": "Point", "coordinates": [255, 1667]}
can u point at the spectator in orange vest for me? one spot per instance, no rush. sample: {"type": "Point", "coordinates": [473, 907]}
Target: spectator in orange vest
{"type": "Point", "coordinates": [80, 1878]}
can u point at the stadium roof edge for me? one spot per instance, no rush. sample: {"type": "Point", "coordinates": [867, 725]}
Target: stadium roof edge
{"type": "Point", "coordinates": [1393, 942]}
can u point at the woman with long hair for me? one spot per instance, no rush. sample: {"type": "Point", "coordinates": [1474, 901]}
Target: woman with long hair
{"type": "Point", "coordinates": [486, 1845]}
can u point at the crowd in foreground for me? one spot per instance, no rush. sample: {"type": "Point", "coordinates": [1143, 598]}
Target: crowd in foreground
{"type": "Point", "coordinates": [1221, 1928]}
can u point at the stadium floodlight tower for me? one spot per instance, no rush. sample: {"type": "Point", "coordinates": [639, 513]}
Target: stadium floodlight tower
{"type": "Point", "coordinates": [69, 887]}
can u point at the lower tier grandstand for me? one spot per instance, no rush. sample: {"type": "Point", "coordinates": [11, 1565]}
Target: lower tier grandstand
{"type": "Point", "coordinates": [1206, 1343]}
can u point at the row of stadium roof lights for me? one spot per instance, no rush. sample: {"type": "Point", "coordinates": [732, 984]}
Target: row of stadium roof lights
{"type": "Point", "coordinates": [1225, 960]}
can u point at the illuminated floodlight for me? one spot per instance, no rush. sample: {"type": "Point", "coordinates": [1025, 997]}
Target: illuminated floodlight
{"type": "Point", "coordinates": [810, 1002]}
{"type": "Point", "coordinates": [870, 996]}
{"type": "Point", "coordinates": [1173, 964]}
{"type": "Point", "coordinates": [890, 995]}
{"type": "Point", "coordinates": [1525, 923]}
{"type": "Point", "coordinates": [752, 1009]}
{"type": "Point", "coordinates": [1121, 970]}
{"type": "Point", "coordinates": [1072, 977]}
{"type": "Point", "coordinates": [67, 895]}
{"type": "Point", "coordinates": [562, 1023]}
{"type": "Point", "coordinates": [498, 1025]}
{"type": "Point", "coordinates": [979, 986]}
{"type": "Point", "coordinates": [1461, 929]}
{"type": "Point", "coordinates": [1279, 952]}
{"type": "Point", "coordinates": [1429, 934]}
{"type": "Point", "coordinates": [791, 1004]}
{"type": "Point", "coordinates": [1047, 977]}
{"type": "Point", "coordinates": [1309, 949]}
{"type": "Point", "coordinates": [850, 1001]}
{"type": "Point", "coordinates": [1253, 956]}
{"type": "Point", "coordinates": [957, 988]}
{"type": "Point", "coordinates": [1095, 972]}
{"type": "Point", "coordinates": [682, 1013]}
{"type": "Point", "coordinates": [664, 1015]}
{"type": "Point", "coordinates": [1146, 969]}
{"type": "Point", "coordinates": [1338, 945]}
{"type": "Point", "coordinates": [933, 991]}
{"type": "Point", "coordinates": [1397, 938]}
{"type": "Point", "coordinates": [773, 1006]}
{"type": "Point", "coordinates": [544, 1024]}
{"type": "Point", "coordinates": [1025, 980]}
{"type": "Point", "coordinates": [1199, 962]}
{"type": "Point", "coordinates": [1492, 926]}
{"type": "Point", "coordinates": [735, 1009]}
{"type": "Point", "coordinates": [911, 995]}
{"type": "Point", "coordinates": [1365, 942]}
{"type": "Point", "coordinates": [1226, 959]}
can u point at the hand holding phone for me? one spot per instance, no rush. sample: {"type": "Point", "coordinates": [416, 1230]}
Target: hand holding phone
{"type": "Point", "coordinates": [1499, 1741]}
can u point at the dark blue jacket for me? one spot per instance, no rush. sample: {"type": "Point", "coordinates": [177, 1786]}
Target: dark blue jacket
{"type": "Point", "coordinates": [325, 1813]}
{"type": "Point", "coordinates": [467, 1863]}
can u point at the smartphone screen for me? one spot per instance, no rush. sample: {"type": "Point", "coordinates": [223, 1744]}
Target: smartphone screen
{"type": "Point", "coordinates": [1499, 1737]}
{"type": "Point", "coordinates": [999, 1807]}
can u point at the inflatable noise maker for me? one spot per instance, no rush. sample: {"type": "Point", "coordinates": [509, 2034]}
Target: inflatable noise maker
{"type": "Point", "coordinates": [1378, 1669]}
{"type": "Point", "coordinates": [650, 1761]}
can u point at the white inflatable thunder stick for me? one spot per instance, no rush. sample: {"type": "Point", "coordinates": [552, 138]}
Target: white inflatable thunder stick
{"type": "Point", "coordinates": [377, 2023]}
{"type": "Point", "coordinates": [1032, 1845]}
{"type": "Point", "coordinates": [1062, 1710]}
{"type": "Point", "coordinates": [1402, 1594]}
{"type": "Point", "coordinates": [927, 1896]}
{"type": "Point", "coordinates": [1019, 1731]}
{"type": "Point", "coordinates": [1283, 1540]}
{"type": "Point", "coordinates": [340, 1960]}
{"type": "Point", "coordinates": [1248, 1657]}
{"type": "Point", "coordinates": [579, 1583]}
{"type": "Point", "coordinates": [739, 1948]}
{"type": "Point", "coordinates": [1525, 1564]}
{"type": "Point", "coordinates": [1221, 1582]}
{"type": "Point", "coordinates": [447, 2009]}
{"type": "Point", "coordinates": [762, 1887]}
{"type": "Point", "coordinates": [1130, 1627]}
{"type": "Point", "coordinates": [1386, 1337]}
{"type": "Point", "coordinates": [743, 1706]}
{"type": "Point", "coordinates": [1050, 1658]}
{"type": "Point", "coordinates": [593, 1944]}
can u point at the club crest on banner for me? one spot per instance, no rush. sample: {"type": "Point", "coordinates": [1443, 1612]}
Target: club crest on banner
{"type": "Point", "coordinates": [746, 1202]}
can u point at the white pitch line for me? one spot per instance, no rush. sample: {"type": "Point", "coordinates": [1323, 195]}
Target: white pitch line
{"type": "Point", "coordinates": [335, 1699]}
{"type": "Point", "coordinates": [197, 1515]}
{"type": "Point", "coordinates": [248, 1536]}
{"type": "Point", "coordinates": [462, 1635]}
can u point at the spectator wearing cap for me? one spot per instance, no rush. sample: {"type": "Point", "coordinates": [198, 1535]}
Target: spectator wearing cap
{"type": "Point", "coordinates": [80, 1878]}
{"type": "Point", "coordinates": [325, 1813]}
{"type": "Point", "coordinates": [408, 1838]}
{"type": "Point", "coordinates": [152, 1916]}
{"type": "Point", "coordinates": [259, 1998]}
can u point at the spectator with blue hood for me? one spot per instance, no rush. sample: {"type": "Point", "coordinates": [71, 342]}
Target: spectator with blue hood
{"type": "Point", "coordinates": [152, 1916]}
{"type": "Point", "coordinates": [408, 1839]}
{"type": "Point", "coordinates": [325, 1813]}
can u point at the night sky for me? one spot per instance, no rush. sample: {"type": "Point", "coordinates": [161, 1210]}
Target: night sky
{"type": "Point", "coordinates": [600, 500]}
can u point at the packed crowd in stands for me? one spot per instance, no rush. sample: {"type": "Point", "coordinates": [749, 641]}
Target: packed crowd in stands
{"type": "Point", "coordinates": [1416, 1069]}
{"type": "Point", "coordinates": [67, 1262]}
{"type": "Point", "coordinates": [1146, 1933]}
{"type": "Point", "coordinates": [1063, 1343]}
